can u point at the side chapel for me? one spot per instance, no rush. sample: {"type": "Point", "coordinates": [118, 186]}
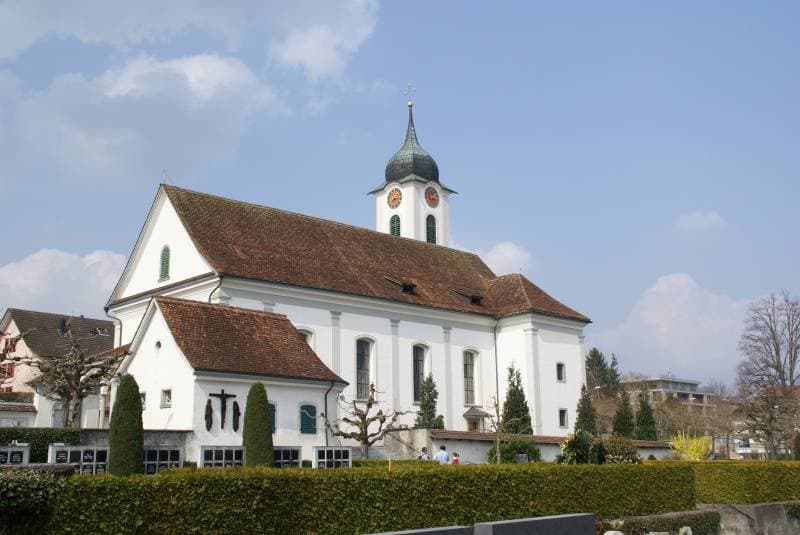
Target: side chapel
{"type": "Point", "coordinates": [220, 293]}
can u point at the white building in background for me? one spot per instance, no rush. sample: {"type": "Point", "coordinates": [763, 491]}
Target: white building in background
{"type": "Point", "coordinates": [386, 307]}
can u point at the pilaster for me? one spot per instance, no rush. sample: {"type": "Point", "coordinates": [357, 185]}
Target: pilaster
{"type": "Point", "coordinates": [395, 324]}
{"type": "Point", "coordinates": [533, 388]}
{"type": "Point", "coordinates": [447, 384]}
{"type": "Point", "coordinates": [336, 342]}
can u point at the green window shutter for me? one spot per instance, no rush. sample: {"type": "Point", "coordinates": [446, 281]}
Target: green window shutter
{"type": "Point", "coordinates": [164, 271]}
{"type": "Point", "coordinates": [308, 419]}
{"type": "Point", "coordinates": [394, 225]}
{"type": "Point", "coordinates": [272, 416]}
{"type": "Point", "coordinates": [430, 227]}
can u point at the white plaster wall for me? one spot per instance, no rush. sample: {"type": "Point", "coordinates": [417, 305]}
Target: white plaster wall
{"type": "Point", "coordinates": [156, 369]}
{"type": "Point", "coordinates": [17, 419]}
{"type": "Point", "coordinates": [22, 372]}
{"type": "Point", "coordinates": [287, 397]}
{"type": "Point", "coordinates": [163, 227]}
{"type": "Point", "coordinates": [556, 345]}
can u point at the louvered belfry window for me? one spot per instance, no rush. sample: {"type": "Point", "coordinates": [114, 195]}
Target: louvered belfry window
{"type": "Point", "coordinates": [394, 225]}
{"type": "Point", "coordinates": [430, 228]}
{"type": "Point", "coordinates": [164, 266]}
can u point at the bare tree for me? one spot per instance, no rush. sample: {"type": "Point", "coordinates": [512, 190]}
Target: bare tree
{"type": "Point", "coordinates": [71, 377]}
{"type": "Point", "coordinates": [770, 370]}
{"type": "Point", "coordinates": [360, 423]}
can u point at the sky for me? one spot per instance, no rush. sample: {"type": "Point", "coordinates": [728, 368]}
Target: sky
{"type": "Point", "coordinates": [638, 161]}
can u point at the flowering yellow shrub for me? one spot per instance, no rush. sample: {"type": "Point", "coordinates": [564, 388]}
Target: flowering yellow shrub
{"type": "Point", "coordinates": [690, 448]}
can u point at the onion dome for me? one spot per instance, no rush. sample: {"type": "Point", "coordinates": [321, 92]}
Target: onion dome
{"type": "Point", "coordinates": [411, 159]}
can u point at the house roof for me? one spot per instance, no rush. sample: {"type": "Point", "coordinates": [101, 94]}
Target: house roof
{"type": "Point", "coordinates": [236, 340]}
{"type": "Point", "coordinates": [45, 337]}
{"type": "Point", "coordinates": [261, 243]}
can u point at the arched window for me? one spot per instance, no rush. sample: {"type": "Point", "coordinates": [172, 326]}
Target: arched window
{"type": "Point", "coordinates": [272, 416]}
{"type": "Point", "coordinates": [164, 266]}
{"type": "Point", "coordinates": [394, 225]}
{"type": "Point", "coordinates": [308, 419]}
{"type": "Point", "coordinates": [469, 378]}
{"type": "Point", "coordinates": [362, 368]}
{"type": "Point", "coordinates": [430, 228]}
{"type": "Point", "coordinates": [419, 370]}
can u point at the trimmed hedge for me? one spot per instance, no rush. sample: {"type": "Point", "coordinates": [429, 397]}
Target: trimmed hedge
{"type": "Point", "coordinates": [396, 463]}
{"type": "Point", "coordinates": [365, 500]}
{"type": "Point", "coordinates": [701, 522]}
{"type": "Point", "coordinates": [746, 481]}
{"type": "Point", "coordinates": [26, 498]}
{"type": "Point", "coordinates": [17, 397]}
{"type": "Point", "coordinates": [39, 438]}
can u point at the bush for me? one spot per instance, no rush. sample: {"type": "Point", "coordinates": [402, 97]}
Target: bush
{"type": "Point", "coordinates": [39, 438]}
{"type": "Point", "coordinates": [701, 522]}
{"type": "Point", "coordinates": [265, 500]}
{"type": "Point", "coordinates": [17, 397]}
{"type": "Point", "coordinates": [26, 499]}
{"type": "Point", "coordinates": [257, 432]}
{"type": "Point", "coordinates": [689, 448]}
{"type": "Point", "coordinates": [125, 434]}
{"type": "Point", "coordinates": [797, 447]}
{"type": "Point", "coordinates": [399, 463]}
{"type": "Point", "coordinates": [746, 481]}
{"type": "Point", "coordinates": [515, 446]}
{"type": "Point", "coordinates": [575, 449]}
{"type": "Point", "coordinates": [620, 450]}
{"type": "Point", "coordinates": [597, 451]}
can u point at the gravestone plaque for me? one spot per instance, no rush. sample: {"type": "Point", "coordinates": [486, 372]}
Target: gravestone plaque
{"type": "Point", "coordinates": [14, 454]}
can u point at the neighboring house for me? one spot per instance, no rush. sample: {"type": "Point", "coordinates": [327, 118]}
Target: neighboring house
{"type": "Point", "coordinates": [386, 307]}
{"type": "Point", "coordinates": [45, 336]}
{"type": "Point", "coordinates": [666, 387]}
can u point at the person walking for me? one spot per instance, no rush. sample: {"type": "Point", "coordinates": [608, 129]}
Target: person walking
{"type": "Point", "coordinates": [442, 457]}
{"type": "Point", "coordinates": [424, 455]}
{"type": "Point", "coordinates": [455, 458]}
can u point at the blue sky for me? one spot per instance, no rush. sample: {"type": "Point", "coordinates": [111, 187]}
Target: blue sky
{"type": "Point", "coordinates": [637, 161]}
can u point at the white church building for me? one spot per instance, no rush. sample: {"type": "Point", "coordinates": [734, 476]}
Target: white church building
{"type": "Point", "coordinates": [220, 293]}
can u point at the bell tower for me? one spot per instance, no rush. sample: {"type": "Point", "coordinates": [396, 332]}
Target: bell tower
{"type": "Point", "coordinates": [411, 202]}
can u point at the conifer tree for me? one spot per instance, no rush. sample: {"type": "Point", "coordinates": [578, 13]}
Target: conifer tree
{"type": "Point", "coordinates": [613, 376]}
{"type": "Point", "coordinates": [125, 434]}
{"type": "Point", "coordinates": [516, 414]}
{"type": "Point", "coordinates": [600, 374]}
{"type": "Point", "coordinates": [257, 431]}
{"type": "Point", "coordinates": [587, 416]}
{"type": "Point", "coordinates": [623, 424]}
{"type": "Point", "coordinates": [645, 421]}
{"type": "Point", "coordinates": [426, 416]}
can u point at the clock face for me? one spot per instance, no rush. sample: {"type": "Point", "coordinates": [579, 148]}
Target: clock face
{"type": "Point", "coordinates": [432, 197]}
{"type": "Point", "coordinates": [394, 198]}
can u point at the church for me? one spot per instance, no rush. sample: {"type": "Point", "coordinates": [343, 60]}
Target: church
{"type": "Point", "coordinates": [218, 294]}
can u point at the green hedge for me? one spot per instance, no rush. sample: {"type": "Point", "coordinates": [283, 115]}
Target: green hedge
{"type": "Point", "coordinates": [39, 438]}
{"type": "Point", "coordinates": [701, 522]}
{"type": "Point", "coordinates": [364, 500]}
{"type": "Point", "coordinates": [400, 463]}
{"type": "Point", "coordinates": [26, 499]}
{"type": "Point", "coordinates": [17, 397]}
{"type": "Point", "coordinates": [746, 481]}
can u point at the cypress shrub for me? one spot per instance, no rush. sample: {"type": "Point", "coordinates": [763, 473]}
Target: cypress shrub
{"type": "Point", "coordinates": [587, 416]}
{"type": "Point", "coordinates": [623, 419]}
{"type": "Point", "coordinates": [426, 416]}
{"type": "Point", "coordinates": [257, 432]}
{"type": "Point", "coordinates": [125, 435]}
{"type": "Point", "coordinates": [515, 446]}
{"type": "Point", "coordinates": [645, 421]}
{"type": "Point", "coordinates": [516, 414]}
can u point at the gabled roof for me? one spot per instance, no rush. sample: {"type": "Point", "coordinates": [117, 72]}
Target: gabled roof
{"type": "Point", "coordinates": [46, 339]}
{"type": "Point", "coordinates": [261, 243]}
{"type": "Point", "coordinates": [236, 340]}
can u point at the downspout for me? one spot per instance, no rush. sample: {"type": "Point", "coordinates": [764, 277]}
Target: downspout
{"type": "Point", "coordinates": [210, 295]}
{"type": "Point", "coordinates": [101, 416]}
{"type": "Point", "coordinates": [497, 391]}
{"type": "Point", "coordinates": [325, 402]}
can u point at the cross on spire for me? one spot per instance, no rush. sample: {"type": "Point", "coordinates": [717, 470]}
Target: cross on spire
{"type": "Point", "coordinates": [409, 92]}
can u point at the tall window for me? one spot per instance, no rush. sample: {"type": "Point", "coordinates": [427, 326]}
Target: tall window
{"type": "Point", "coordinates": [561, 372]}
{"type": "Point", "coordinates": [362, 368]}
{"type": "Point", "coordinates": [419, 370]}
{"type": "Point", "coordinates": [394, 225]}
{"type": "Point", "coordinates": [272, 416]}
{"type": "Point", "coordinates": [163, 273]}
{"type": "Point", "coordinates": [308, 419]}
{"type": "Point", "coordinates": [469, 378]}
{"type": "Point", "coordinates": [562, 418]}
{"type": "Point", "coordinates": [430, 228]}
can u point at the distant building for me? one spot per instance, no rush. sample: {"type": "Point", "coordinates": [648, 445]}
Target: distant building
{"type": "Point", "coordinates": [663, 388]}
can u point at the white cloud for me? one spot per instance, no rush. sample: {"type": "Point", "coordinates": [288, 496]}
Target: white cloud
{"type": "Point", "coordinates": [678, 326]}
{"type": "Point", "coordinates": [56, 281]}
{"type": "Point", "coordinates": [133, 121]}
{"type": "Point", "coordinates": [507, 257]}
{"type": "Point", "coordinates": [700, 221]}
{"type": "Point", "coordinates": [315, 35]}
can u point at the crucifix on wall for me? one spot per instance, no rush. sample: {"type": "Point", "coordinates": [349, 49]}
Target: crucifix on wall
{"type": "Point", "coordinates": [223, 405]}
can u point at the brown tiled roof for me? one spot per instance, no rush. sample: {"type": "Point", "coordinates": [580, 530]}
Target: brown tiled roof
{"type": "Point", "coordinates": [120, 351]}
{"type": "Point", "coordinates": [256, 242]}
{"type": "Point", "coordinates": [237, 340]}
{"type": "Point", "coordinates": [45, 339]}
